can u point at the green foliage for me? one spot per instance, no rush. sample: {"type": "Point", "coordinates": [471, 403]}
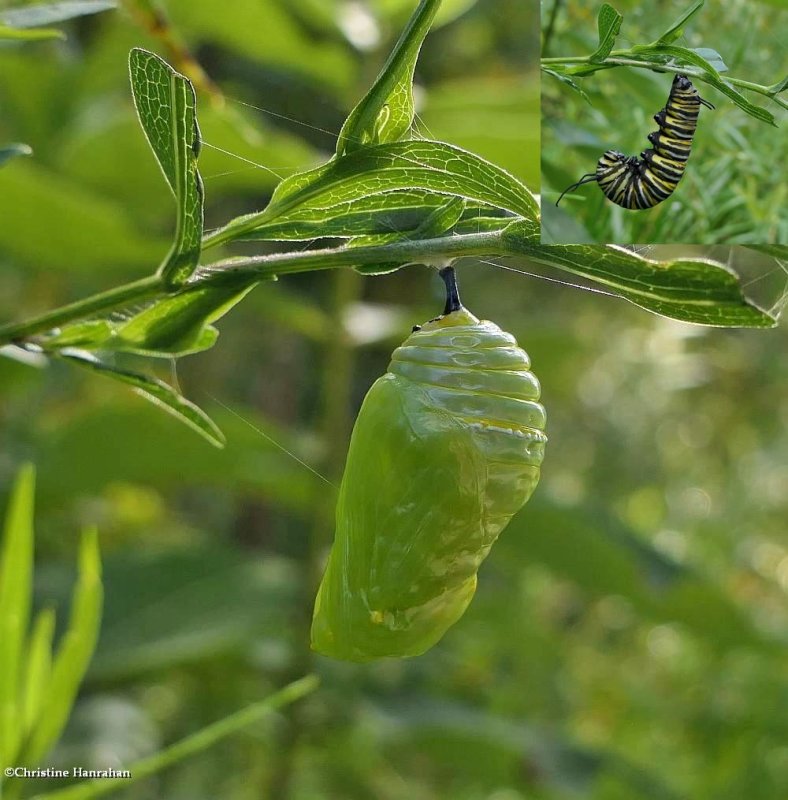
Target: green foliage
{"type": "Point", "coordinates": [626, 639]}
{"type": "Point", "coordinates": [395, 201]}
{"type": "Point", "coordinates": [38, 691]}
{"type": "Point", "coordinates": [717, 200]}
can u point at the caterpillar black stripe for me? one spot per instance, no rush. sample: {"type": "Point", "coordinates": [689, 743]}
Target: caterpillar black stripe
{"type": "Point", "coordinates": [644, 182]}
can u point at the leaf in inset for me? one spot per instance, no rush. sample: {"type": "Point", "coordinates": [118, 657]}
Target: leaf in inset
{"type": "Point", "coordinates": [609, 24]}
{"type": "Point", "coordinates": [386, 112]}
{"type": "Point", "coordinates": [677, 28]}
{"type": "Point", "coordinates": [166, 106]}
{"type": "Point", "coordinates": [560, 75]}
{"type": "Point", "coordinates": [158, 392]}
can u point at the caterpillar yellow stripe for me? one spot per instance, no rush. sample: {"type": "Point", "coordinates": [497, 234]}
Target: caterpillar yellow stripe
{"type": "Point", "coordinates": [642, 182]}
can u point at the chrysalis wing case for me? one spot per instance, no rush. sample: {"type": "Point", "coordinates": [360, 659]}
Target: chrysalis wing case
{"type": "Point", "coordinates": [446, 449]}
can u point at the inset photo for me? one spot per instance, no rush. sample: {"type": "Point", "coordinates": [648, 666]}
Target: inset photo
{"type": "Point", "coordinates": [664, 122]}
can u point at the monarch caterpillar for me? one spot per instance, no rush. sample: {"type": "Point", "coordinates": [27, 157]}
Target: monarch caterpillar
{"type": "Point", "coordinates": [445, 450]}
{"type": "Point", "coordinates": [643, 182]}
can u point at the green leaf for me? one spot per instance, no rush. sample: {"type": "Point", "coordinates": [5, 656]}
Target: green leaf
{"type": "Point", "coordinates": [677, 28]}
{"type": "Point", "coordinates": [648, 54]}
{"type": "Point", "coordinates": [386, 112]}
{"type": "Point", "coordinates": [16, 574]}
{"type": "Point", "coordinates": [334, 188]}
{"type": "Point", "coordinates": [712, 57]}
{"type": "Point", "coordinates": [10, 151]}
{"type": "Point", "coordinates": [560, 75]}
{"type": "Point", "coordinates": [609, 23]}
{"type": "Point", "coordinates": [665, 53]}
{"type": "Point", "coordinates": [780, 86]}
{"type": "Point", "coordinates": [38, 669]}
{"type": "Point", "coordinates": [176, 325]}
{"type": "Point", "coordinates": [166, 106]}
{"type": "Point", "coordinates": [191, 745]}
{"type": "Point", "coordinates": [399, 211]}
{"type": "Point", "coordinates": [74, 651]}
{"type": "Point", "coordinates": [158, 392]}
{"type": "Point", "coordinates": [689, 290]}
{"type": "Point", "coordinates": [38, 34]}
{"type": "Point", "coordinates": [33, 15]}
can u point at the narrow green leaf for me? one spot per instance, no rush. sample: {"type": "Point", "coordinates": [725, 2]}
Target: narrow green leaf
{"type": "Point", "coordinates": [560, 75]}
{"type": "Point", "coordinates": [10, 151]}
{"type": "Point", "coordinates": [677, 28]}
{"type": "Point", "coordinates": [740, 100]}
{"type": "Point", "coordinates": [166, 107]}
{"type": "Point", "coordinates": [780, 86]}
{"type": "Point", "coordinates": [34, 35]}
{"type": "Point", "coordinates": [609, 23]}
{"type": "Point", "coordinates": [413, 165]}
{"type": "Point", "coordinates": [191, 745]}
{"type": "Point", "coordinates": [74, 651]}
{"type": "Point", "coordinates": [158, 392]}
{"type": "Point", "coordinates": [35, 14]}
{"type": "Point", "coordinates": [689, 290]}
{"type": "Point", "coordinates": [386, 112]}
{"type": "Point", "coordinates": [16, 574]}
{"type": "Point", "coordinates": [38, 669]}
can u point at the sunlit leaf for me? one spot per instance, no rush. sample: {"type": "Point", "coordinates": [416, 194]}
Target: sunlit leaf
{"type": "Point", "coordinates": [386, 112]}
{"type": "Point", "coordinates": [390, 172]}
{"type": "Point", "coordinates": [166, 106]}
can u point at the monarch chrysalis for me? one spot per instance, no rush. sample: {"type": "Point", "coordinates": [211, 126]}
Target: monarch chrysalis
{"type": "Point", "coordinates": [638, 183]}
{"type": "Point", "coordinates": [445, 450]}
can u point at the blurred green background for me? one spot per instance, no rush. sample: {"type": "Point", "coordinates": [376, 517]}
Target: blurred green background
{"type": "Point", "coordinates": [734, 190]}
{"type": "Point", "coordinates": [628, 635]}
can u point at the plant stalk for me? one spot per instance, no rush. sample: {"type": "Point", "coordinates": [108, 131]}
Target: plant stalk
{"type": "Point", "coordinates": [257, 268]}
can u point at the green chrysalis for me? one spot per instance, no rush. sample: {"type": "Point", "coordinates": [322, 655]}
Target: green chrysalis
{"type": "Point", "coordinates": [446, 449]}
